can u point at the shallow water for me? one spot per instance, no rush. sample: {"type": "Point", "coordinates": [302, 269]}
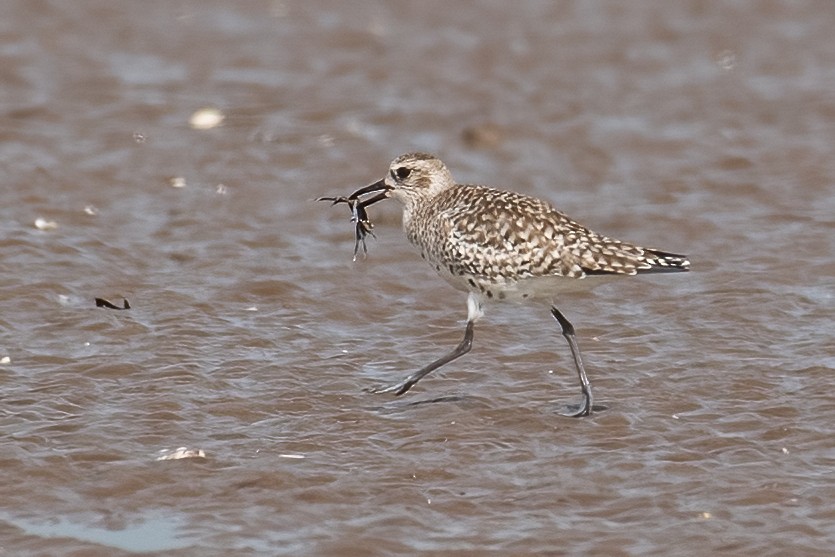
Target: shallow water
{"type": "Point", "coordinates": [696, 127]}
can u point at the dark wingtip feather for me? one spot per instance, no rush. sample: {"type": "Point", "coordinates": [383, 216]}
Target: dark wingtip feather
{"type": "Point", "coordinates": [664, 262]}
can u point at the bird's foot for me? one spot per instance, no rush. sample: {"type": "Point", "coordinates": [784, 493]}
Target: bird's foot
{"type": "Point", "coordinates": [585, 408]}
{"type": "Point", "coordinates": [396, 388]}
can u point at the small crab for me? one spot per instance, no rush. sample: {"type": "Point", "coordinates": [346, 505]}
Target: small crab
{"type": "Point", "coordinates": [358, 213]}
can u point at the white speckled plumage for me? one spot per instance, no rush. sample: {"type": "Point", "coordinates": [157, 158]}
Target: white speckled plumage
{"type": "Point", "coordinates": [505, 245]}
{"type": "Point", "coordinates": [497, 244]}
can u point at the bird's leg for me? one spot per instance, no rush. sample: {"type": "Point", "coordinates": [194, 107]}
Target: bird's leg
{"type": "Point", "coordinates": [403, 386]}
{"type": "Point", "coordinates": [568, 333]}
{"type": "Point", "coordinates": [474, 311]}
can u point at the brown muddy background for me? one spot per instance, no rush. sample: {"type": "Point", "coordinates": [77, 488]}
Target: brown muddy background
{"type": "Point", "coordinates": [700, 127]}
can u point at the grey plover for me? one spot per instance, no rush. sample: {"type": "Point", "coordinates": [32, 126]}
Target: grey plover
{"type": "Point", "coordinates": [499, 245]}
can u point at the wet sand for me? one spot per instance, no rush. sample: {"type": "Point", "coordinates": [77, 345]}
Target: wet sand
{"type": "Point", "coordinates": [701, 128]}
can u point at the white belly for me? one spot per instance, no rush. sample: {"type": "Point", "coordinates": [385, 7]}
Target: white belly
{"type": "Point", "coordinates": [546, 288]}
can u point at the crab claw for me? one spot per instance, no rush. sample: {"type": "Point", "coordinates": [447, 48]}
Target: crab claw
{"type": "Point", "coordinates": [363, 226]}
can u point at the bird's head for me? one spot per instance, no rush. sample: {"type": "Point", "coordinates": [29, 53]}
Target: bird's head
{"type": "Point", "coordinates": [410, 177]}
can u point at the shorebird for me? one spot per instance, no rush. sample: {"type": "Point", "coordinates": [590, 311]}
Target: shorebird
{"type": "Point", "coordinates": [499, 245]}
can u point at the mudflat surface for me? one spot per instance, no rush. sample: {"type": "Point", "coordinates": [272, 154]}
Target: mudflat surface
{"type": "Point", "coordinates": [695, 127]}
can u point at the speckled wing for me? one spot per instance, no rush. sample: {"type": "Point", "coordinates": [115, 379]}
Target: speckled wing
{"type": "Point", "coordinates": [510, 236]}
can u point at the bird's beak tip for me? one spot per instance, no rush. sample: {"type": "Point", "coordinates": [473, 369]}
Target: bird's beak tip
{"type": "Point", "coordinates": [379, 185]}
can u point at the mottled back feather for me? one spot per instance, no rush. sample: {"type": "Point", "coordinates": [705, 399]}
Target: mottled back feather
{"type": "Point", "coordinates": [505, 244]}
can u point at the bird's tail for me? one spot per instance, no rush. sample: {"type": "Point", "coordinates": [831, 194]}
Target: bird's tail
{"type": "Point", "coordinates": [664, 262]}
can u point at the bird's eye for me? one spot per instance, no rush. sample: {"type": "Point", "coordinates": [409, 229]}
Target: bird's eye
{"type": "Point", "coordinates": [403, 172]}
